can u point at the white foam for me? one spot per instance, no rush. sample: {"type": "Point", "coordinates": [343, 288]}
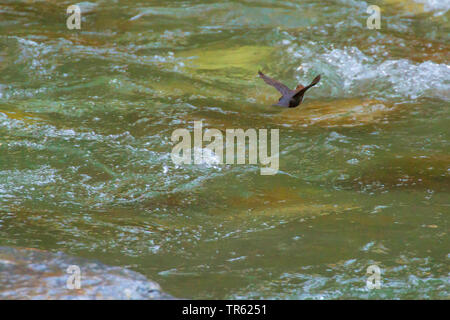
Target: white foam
{"type": "Point", "coordinates": [439, 7]}
{"type": "Point", "coordinates": [405, 78]}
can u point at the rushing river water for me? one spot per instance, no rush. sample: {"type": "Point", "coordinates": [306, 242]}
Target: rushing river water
{"type": "Point", "coordinates": [86, 118]}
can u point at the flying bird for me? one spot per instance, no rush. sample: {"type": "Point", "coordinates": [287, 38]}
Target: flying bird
{"type": "Point", "coordinates": [290, 98]}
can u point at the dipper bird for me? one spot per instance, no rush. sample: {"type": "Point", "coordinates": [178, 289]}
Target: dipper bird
{"type": "Point", "coordinates": [290, 98]}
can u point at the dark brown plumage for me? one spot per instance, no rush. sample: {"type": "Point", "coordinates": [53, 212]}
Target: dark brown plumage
{"type": "Point", "coordinates": [290, 98]}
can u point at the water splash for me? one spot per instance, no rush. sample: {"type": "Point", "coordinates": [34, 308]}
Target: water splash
{"type": "Point", "coordinates": [395, 78]}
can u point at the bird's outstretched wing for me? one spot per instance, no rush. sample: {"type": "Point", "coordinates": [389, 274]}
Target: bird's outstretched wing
{"type": "Point", "coordinates": [279, 86]}
{"type": "Point", "coordinates": [313, 83]}
{"type": "Point", "coordinates": [283, 102]}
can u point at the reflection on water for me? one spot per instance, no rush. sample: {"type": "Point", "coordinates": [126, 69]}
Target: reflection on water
{"type": "Point", "coordinates": [86, 118]}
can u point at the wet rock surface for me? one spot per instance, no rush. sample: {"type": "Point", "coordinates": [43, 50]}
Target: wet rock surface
{"type": "Point", "coordinates": [34, 274]}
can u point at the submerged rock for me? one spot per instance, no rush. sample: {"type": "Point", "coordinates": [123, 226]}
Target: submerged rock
{"type": "Point", "coordinates": [418, 172]}
{"type": "Point", "coordinates": [343, 113]}
{"type": "Point", "coordinates": [36, 274]}
{"type": "Point", "coordinates": [220, 57]}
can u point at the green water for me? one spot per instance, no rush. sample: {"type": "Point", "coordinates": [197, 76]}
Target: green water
{"type": "Point", "coordinates": [86, 118]}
